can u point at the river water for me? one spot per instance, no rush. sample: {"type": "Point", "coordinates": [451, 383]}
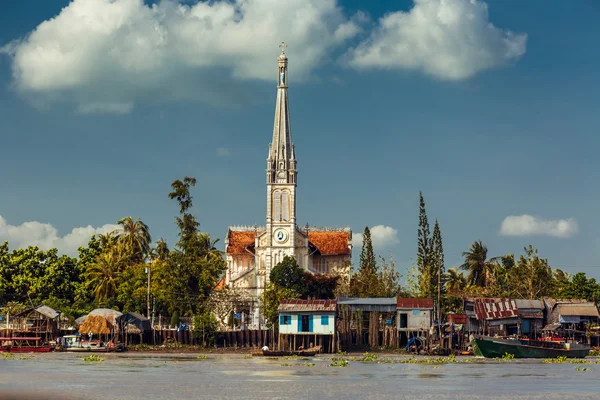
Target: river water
{"type": "Point", "coordinates": [168, 376]}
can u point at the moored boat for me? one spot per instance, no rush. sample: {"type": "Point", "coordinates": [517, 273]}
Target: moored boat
{"type": "Point", "coordinates": [23, 345]}
{"type": "Point", "coordinates": [492, 347]}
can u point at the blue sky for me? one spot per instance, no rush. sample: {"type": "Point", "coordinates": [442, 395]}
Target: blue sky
{"type": "Point", "coordinates": [102, 107]}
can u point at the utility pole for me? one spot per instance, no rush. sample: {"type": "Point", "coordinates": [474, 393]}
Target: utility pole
{"type": "Point", "coordinates": [148, 290]}
{"type": "Point", "coordinates": [439, 296]}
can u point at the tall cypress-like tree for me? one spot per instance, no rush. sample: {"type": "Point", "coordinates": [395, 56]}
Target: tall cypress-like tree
{"type": "Point", "coordinates": [437, 249]}
{"type": "Point", "coordinates": [438, 263]}
{"type": "Point", "coordinates": [424, 251]}
{"type": "Point", "coordinates": [367, 256]}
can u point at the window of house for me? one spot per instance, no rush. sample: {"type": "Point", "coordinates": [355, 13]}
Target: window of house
{"type": "Point", "coordinates": [324, 319]}
{"type": "Point", "coordinates": [285, 320]}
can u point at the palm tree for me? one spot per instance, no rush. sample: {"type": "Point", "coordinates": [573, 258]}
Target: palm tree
{"type": "Point", "coordinates": [102, 275]}
{"type": "Point", "coordinates": [208, 246]}
{"type": "Point", "coordinates": [107, 239]}
{"type": "Point", "coordinates": [455, 281]}
{"type": "Point", "coordinates": [135, 235]}
{"type": "Point", "coordinates": [161, 251]}
{"type": "Point", "coordinates": [476, 264]}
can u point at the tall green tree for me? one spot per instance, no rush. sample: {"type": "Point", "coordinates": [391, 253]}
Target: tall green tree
{"type": "Point", "coordinates": [476, 264]}
{"type": "Point", "coordinates": [195, 265]}
{"type": "Point", "coordinates": [581, 287]}
{"type": "Point", "coordinates": [102, 275]}
{"type": "Point", "coordinates": [135, 236]}
{"type": "Point", "coordinates": [532, 276]}
{"type": "Point", "coordinates": [455, 281]}
{"type": "Point", "coordinates": [437, 250]}
{"type": "Point", "coordinates": [425, 262]}
{"type": "Point", "coordinates": [367, 256]}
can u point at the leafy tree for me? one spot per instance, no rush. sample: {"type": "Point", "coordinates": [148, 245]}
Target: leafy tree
{"type": "Point", "coordinates": [383, 282]}
{"type": "Point", "coordinates": [582, 287]}
{"type": "Point", "coordinates": [367, 256]}
{"type": "Point", "coordinates": [532, 275]}
{"type": "Point", "coordinates": [321, 286]}
{"type": "Point", "coordinates": [271, 299]}
{"type": "Point", "coordinates": [288, 275]}
{"type": "Point", "coordinates": [205, 328]}
{"type": "Point", "coordinates": [195, 265]}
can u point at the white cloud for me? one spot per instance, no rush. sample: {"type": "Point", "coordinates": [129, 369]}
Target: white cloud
{"type": "Point", "coordinates": [447, 39]}
{"type": "Point", "coordinates": [527, 225]}
{"type": "Point", "coordinates": [46, 237]}
{"type": "Point", "coordinates": [223, 152]}
{"type": "Point", "coordinates": [106, 55]}
{"type": "Point", "coordinates": [382, 236]}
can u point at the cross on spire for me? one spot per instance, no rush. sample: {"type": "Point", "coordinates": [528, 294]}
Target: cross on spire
{"type": "Point", "coordinates": [283, 46]}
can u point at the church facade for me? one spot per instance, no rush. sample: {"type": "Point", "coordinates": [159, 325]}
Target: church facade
{"type": "Point", "coordinates": [251, 251]}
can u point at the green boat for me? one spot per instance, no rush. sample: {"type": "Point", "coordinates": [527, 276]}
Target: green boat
{"type": "Point", "coordinates": [491, 347]}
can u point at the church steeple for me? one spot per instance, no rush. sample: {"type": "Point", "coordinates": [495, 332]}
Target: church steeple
{"type": "Point", "coordinates": [281, 163]}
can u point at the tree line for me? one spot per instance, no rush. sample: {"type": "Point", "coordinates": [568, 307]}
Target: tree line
{"type": "Point", "coordinates": [112, 270]}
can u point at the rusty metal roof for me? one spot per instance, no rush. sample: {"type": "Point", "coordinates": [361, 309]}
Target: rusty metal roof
{"type": "Point", "coordinates": [588, 309]}
{"type": "Point", "coordinates": [414, 303]}
{"type": "Point", "coordinates": [491, 309]}
{"type": "Point", "coordinates": [296, 305]}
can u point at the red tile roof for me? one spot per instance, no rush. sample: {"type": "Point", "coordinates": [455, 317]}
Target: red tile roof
{"type": "Point", "coordinates": [415, 303]}
{"type": "Point", "coordinates": [296, 305]}
{"type": "Point", "coordinates": [330, 243]}
{"type": "Point", "coordinates": [239, 241]}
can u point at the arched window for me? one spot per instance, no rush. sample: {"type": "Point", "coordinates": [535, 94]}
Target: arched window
{"type": "Point", "coordinates": [277, 205]}
{"type": "Point", "coordinates": [285, 206]}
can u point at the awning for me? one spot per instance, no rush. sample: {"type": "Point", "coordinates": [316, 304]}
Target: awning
{"type": "Point", "coordinates": [569, 319]}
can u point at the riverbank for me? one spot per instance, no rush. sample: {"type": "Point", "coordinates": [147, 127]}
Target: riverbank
{"type": "Point", "coordinates": [149, 376]}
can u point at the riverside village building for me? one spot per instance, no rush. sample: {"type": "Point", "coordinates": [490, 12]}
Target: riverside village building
{"type": "Point", "coordinates": [251, 251]}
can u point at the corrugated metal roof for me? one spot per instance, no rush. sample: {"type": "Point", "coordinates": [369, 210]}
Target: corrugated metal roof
{"type": "Point", "coordinates": [588, 309]}
{"type": "Point", "coordinates": [491, 309]}
{"type": "Point", "coordinates": [414, 303]}
{"type": "Point", "coordinates": [47, 311]}
{"type": "Point", "coordinates": [296, 305]}
{"type": "Point", "coordinates": [531, 304]}
{"type": "Point", "coordinates": [385, 301]}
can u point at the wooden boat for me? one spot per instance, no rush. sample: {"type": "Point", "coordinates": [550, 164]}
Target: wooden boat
{"type": "Point", "coordinates": [286, 353]}
{"type": "Point", "coordinates": [23, 345]}
{"type": "Point", "coordinates": [491, 347]}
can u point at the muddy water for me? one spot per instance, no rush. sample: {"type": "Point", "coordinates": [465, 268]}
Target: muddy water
{"type": "Point", "coordinates": [168, 376]}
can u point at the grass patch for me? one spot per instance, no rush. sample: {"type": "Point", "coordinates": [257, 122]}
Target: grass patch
{"type": "Point", "coordinates": [202, 357]}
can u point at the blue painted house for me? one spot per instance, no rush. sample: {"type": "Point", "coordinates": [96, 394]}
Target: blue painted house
{"type": "Point", "coordinates": [307, 323]}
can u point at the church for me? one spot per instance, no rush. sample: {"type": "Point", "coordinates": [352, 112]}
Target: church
{"type": "Point", "coordinates": [252, 251]}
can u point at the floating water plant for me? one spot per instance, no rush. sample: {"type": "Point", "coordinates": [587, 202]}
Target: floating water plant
{"type": "Point", "coordinates": [340, 363]}
{"type": "Point", "coordinates": [202, 357]}
{"type": "Point", "coordinates": [93, 357]}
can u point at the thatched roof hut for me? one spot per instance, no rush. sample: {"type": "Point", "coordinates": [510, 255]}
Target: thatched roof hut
{"type": "Point", "coordinates": [101, 321]}
{"type": "Point", "coordinates": [95, 324]}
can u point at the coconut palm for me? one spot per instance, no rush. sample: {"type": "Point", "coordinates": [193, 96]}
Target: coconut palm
{"type": "Point", "coordinates": [208, 246]}
{"type": "Point", "coordinates": [107, 239]}
{"type": "Point", "coordinates": [135, 235]}
{"type": "Point", "coordinates": [161, 251]}
{"type": "Point", "coordinates": [476, 264]}
{"type": "Point", "coordinates": [455, 281]}
{"type": "Point", "coordinates": [103, 273]}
